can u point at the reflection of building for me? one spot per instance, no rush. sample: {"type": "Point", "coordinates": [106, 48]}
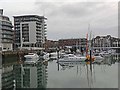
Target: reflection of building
{"type": "Point", "coordinates": [7, 77]}
{"type": "Point", "coordinates": [80, 42]}
{"type": "Point", "coordinates": [0, 79]}
{"type": "Point", "coordinates": [29, 31]}
{"type": "Point", "coordinates": [30, 75]}
{"type": "Point", "coordinates": [6, 32]}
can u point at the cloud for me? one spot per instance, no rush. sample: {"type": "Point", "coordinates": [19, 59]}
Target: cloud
{"type": "Point", "coordinates": [68, 18]}
{"type": "Point", "coordinates": [73, 18]}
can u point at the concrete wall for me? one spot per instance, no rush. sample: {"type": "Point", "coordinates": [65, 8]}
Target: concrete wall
{"type": "Point", "coordinates": [32, 32]}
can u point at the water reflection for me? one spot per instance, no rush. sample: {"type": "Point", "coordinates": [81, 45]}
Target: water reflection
{"type": "Point", "coordinates": [106, 61]}
{"type": "Point", "coordinates": [7, 77]}
{"type": "Point", "coordinates": [22, 75]}
{"type": "Point", "coordinates": [61, 75]}
{"type": "Point", "coordinates": [83, 68]}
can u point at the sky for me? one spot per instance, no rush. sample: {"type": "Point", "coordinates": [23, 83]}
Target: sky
{"type": "Point", "coordinates": [69, 18]}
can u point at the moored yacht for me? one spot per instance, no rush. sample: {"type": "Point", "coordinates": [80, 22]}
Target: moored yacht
{"type": "Point", "coordinates": [72, 58]}
{"type": "Point", "coordinates": [98, 56]}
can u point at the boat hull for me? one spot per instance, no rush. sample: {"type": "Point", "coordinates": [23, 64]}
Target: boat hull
{"type": "Point", "coordinates": [73, 59]}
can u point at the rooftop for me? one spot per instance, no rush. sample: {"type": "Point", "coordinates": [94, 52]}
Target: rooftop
{"type": "Point", "coordinates": [30, 16]}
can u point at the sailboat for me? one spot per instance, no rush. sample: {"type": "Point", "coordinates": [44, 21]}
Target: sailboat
{"type": "Point", "coordinates": [93, 57]}
{"type": "Point", "coordinates": [89, 55]}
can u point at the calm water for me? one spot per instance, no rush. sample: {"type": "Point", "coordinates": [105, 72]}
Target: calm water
{"type": "Point", "coordinates": [63, 75]}
{"type": "Point", "coordinates": [79, 76]}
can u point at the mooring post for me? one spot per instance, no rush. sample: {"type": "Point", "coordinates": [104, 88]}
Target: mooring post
{"type": "Point", "coordinates": [58, 57]}
{"type": "Point", "coordinates": [90, 60]}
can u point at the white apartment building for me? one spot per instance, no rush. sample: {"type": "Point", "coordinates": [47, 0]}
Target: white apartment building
{"type": "Point", "coordinates": [30, 31]}
{"type": "Point", "coordinates": [6, 33]}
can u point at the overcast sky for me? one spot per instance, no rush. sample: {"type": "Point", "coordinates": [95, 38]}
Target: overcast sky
{"type": "Point", "coordinates": [69, 18]}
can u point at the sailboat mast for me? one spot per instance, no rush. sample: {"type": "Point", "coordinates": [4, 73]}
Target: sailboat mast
{"type": "Point", "coordinates": [87, 44]}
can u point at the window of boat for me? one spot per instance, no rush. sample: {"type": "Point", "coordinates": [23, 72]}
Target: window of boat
{"type": "Point", "coordinates": [30, 53]}
{"type": "Point", "coordinates": [66, 56]}
{"type": "Point", "coordinates": [96, 54]}
{"type": "Point", "coordinates": [71, 55]}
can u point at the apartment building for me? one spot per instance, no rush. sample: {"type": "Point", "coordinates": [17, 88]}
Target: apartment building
{"type": "Point", "coordinates": [6, 33]}
{"type": "Point", "coordinates": [30, 31]}
{"type": "Point", "coordinates": [105, 41]}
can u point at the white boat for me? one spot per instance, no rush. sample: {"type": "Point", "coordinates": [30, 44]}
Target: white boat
{"type": "Point", "coordinates": [46, 56]}
{"type": "Point", "coordinates": [31, 57]}
{"type": "Point", "coordinates": [53, 56]}
{"type": "Point", "coordinates": [98, 57]}
{"type": "Point", "coordinates": [104, 53]}
{"type": "Point", "coordinates": [72, 58]}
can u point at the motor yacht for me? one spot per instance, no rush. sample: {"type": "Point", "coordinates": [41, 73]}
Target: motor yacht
{"type": "Point", "coordinates": [98, 56]}
{"type": "Point", "coordinates": [72, 58]}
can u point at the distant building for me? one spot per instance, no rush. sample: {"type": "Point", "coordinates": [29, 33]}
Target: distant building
{"type": "Point", "coordinates": [30, 75]}
{"type": "Point", "coordinates": [30, 31]}
{"type": "Point", "coordinates": [79, 43]}
{"type": "Point", "coordinates": [105, 41]}
{"type": "Point", "coordinates": [6, 32]}
{"type": "Point", "coordinates": [50, 44]}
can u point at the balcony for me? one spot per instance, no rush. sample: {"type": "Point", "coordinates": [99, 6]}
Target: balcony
{"type": "Point", "coordinates": [38, 33]}
{"type": "Point", "coordinates": [7, 24]}
{"type": "Point", "coordinates": [45, 24]}
{"type": "Point", "coordinates": [7, 28]}
{"type": "Point", "coordinates": [45, 31]}
{"type": "Point", "coordinates": [45, 27]}
{"type": "Point", "coordinates": [7, 33]}
{"type": "Point", "coordinates": [7, 41]}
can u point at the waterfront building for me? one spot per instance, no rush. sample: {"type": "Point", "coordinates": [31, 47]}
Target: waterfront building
{"type": "Point", "coordinates": [32, 75]}
{"type": "Point", "coordinates": [78, 42]}
{"type": "Point", "coordinates": [7, 77]}
{"type": "Point", "coordinates": [30, 31]}
{"type": "Point", "coordinates": [105, 41]}
{"type": "Point", "coordinates": [101, 41]}
{"type": "Point", "coordinates": [6, 33]}
{"type": "Point", "coordinates": [50, 45]}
